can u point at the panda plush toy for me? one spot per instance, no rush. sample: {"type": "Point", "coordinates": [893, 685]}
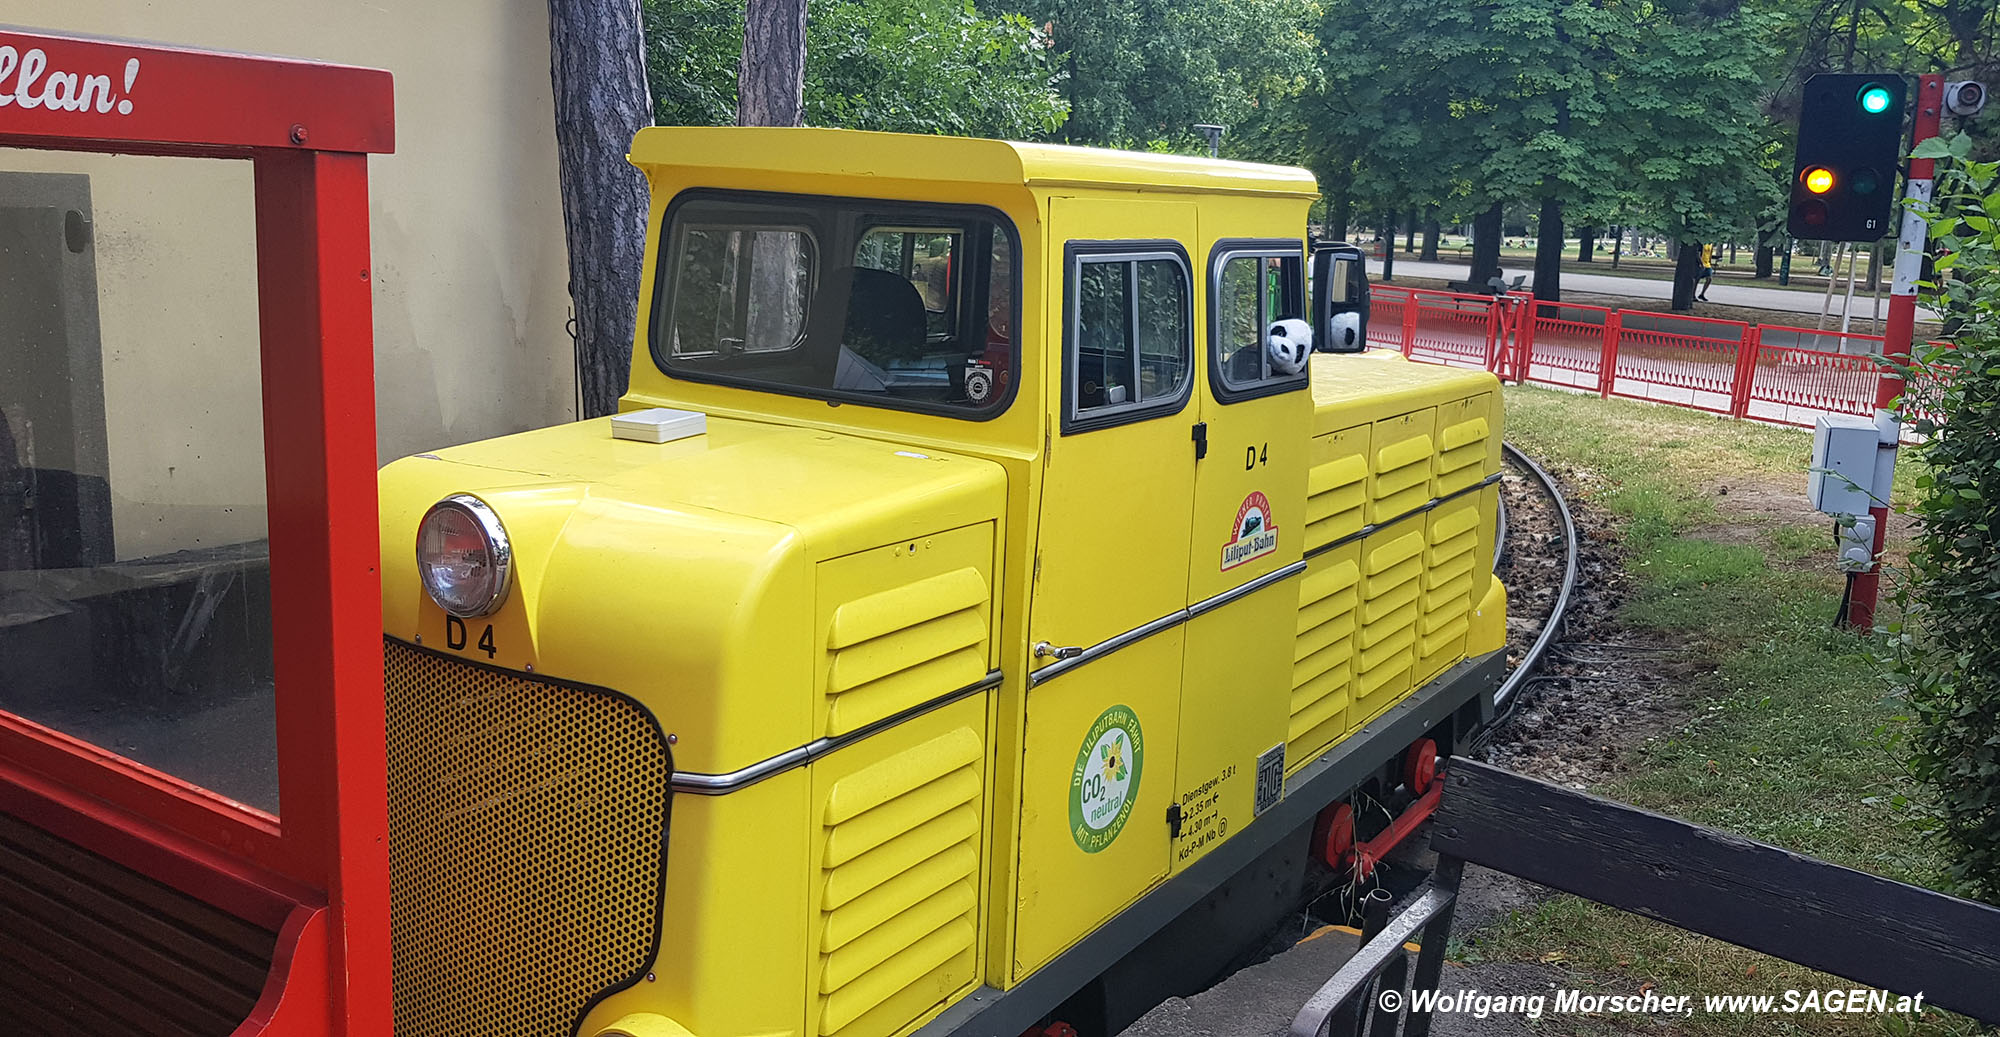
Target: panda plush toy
{"type": "Point", "coordinates": [1288, 343]}
{"type": "Point", "coordinates": [1345, 333]}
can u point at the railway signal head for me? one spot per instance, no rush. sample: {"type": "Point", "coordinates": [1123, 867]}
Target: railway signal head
{"type": "Point", "coordinates": [1850, 144]}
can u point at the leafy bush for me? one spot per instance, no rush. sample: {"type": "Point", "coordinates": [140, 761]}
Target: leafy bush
{"type": "Point", "coordinates": [1950, 643]}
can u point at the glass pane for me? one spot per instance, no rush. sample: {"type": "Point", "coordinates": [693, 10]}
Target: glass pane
{"type": "Point", "coordinates": [925, 257]}
{"type": "Point", "coordinates": [991, 373]}
{"type": "Point", "coordinates": [1104, 335]}
{"type": "Point", "coordinates": [1253, 293]}
{"type": "Point", "coordinates": [1239, 323]}
{"type": "Point", "coordinates": [1340, 281]}
{"type": "Point", "coordinates": [885, 320]}
{"type": "Point", "coordinates": [134, 564]}
{"type": "Point", "coordinates": [740, 290]}
{"type": "Point", "coordinates": [1164, 343]}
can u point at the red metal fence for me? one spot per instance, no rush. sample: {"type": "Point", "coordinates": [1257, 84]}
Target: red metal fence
{"type": "Point", "coordinates": [1766, 372]}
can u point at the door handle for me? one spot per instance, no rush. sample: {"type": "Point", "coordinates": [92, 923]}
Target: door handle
{"type": "Point", "coordinates": [1045, 650]}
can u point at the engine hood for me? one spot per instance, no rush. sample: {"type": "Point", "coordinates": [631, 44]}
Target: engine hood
{"type": "Point", "coordinates": [678, 573]}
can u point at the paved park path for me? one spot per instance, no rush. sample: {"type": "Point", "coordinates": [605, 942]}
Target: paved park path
{"type": "Point", "coordinates": [1723, 292]}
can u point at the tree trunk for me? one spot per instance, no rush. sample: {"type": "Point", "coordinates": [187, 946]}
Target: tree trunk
{"type": "Point", "coordinates": [1388, 236]}
{"type": "Point", "coordinates": [1336, 186]}
{"type": "Point", "coordinates": [1431, 232]}
{"type": "Point", "coordinates": [598, 67]}
{"type": "Point", "coordinates": [771, 78]}
{"type": "Point", "coordinates": [1617, 245]}
{"type": "Point", "coordinates": [1410, 241]}
{"type": "Point", "coordinates": [1549, 252]}
{"type": "Point", "coordinates": [1765, 255]}
{"type": "Point", "coordinates": [1732, 251]}
{"type": "Point", "coordinates": [1687, 269]}
{"type": "Point", "coordinates": [1874, 267]}
{"type": "Point", "coordinates": [1586, 243]}
{"type": "Point", "coordinates": [1485, 246]}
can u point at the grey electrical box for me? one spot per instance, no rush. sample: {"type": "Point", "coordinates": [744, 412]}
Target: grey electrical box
{"type": "Point", "coordinates": [1843, 464]}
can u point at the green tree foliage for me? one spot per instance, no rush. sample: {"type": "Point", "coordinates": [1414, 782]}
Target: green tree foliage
{"type": "Point", "coordinates": [925, 66]}
{"type": "Point", "coordinates": [1144, 71]}
{"type": "Point", "coordinates": [914, 66]}
{"type": "Point", "coordinates": [1951, 638]}
{"type": "Point", "coordinates": [1697, 90]}
{"type": "Point", "coordinates": [1647, 107]}
{"type": "Point", "coordinates": [691, 52]}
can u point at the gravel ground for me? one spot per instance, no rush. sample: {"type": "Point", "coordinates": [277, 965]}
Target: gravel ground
{"type": "Point", "coordinates": [1597, 691]}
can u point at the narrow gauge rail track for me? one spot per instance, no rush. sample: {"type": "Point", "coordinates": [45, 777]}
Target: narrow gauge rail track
{"type": "Point", "coordinates": [1507, 695]}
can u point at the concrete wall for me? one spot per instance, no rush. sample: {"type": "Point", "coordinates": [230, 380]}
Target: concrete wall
{"type": "Point", "coordinates": [470, 269]}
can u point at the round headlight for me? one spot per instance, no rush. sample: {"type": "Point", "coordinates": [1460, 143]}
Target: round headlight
{"type": "Point", "coordinates": [463, 557]}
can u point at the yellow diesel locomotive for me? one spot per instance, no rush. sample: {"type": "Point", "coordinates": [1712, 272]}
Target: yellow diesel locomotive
{"type": "Point", "coordinates": [963, 595]}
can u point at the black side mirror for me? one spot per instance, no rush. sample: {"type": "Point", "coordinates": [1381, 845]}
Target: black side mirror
{"type": "Point", "coordinates": [1339, 298]}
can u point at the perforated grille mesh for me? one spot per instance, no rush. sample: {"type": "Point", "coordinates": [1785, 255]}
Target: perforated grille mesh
{"type": "Point", "coordinates": [527, 828]}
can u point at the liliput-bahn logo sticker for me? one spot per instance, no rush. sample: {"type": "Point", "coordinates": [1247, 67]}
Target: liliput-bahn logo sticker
{"type": "Point", "coordinates": [1105, 781]}
{"type": "Point", "coordinates": [1253, 536]}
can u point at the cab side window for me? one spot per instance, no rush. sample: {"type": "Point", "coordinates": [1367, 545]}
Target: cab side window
{"type": "Point", "coordinates": [1252, 285]}
{"type": "Point", "coordinates": [1129, 335]}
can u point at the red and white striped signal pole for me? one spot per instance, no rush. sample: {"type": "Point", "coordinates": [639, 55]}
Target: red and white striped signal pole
{"type": "Point", "coordinates": [1898, 336]}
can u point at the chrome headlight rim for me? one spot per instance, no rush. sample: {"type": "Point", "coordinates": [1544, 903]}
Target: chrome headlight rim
{"type": "Point", "coordinates": [498, 549]}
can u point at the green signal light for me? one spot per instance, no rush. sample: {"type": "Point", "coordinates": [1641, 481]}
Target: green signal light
{"type": "Point", "coordinates": [1875, 99]}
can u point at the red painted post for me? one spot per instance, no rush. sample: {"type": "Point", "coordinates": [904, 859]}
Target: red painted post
{"type": "Point", "coordinates": [1897, 336]}
{"type": "Point", "coordinates": [1746, 370]}
{"type": "Point", "coordinates": [314, 282]}
{"type": "Point", "coordinates": [1607, 363]}
{"type": "Point", "coordinates": [1496, 338]}
{"type": "Point", "coordinates": [1524, 344]}
{"type": "Point", "coordinates": [1410, 304]}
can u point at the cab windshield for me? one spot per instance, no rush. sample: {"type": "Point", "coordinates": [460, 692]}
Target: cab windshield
{"type": "Point", "coordinates": [883, 303]}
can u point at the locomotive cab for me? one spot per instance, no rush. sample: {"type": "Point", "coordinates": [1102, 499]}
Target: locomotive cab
{"type": "Point", "coordinates": [967, 569]}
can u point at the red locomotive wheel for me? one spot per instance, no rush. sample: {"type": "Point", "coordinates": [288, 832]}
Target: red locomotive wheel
{"type": "Point", "coordinates": [1334, 835]}
{"type": "Point", "coordinates": [1420, 765]}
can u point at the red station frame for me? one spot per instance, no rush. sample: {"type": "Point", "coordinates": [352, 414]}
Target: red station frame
{"type": "Point", "coordinates": [320, 878]}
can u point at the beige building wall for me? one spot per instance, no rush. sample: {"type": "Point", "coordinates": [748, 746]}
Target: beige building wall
{"type": "Point", "coordinates": [470, 271]}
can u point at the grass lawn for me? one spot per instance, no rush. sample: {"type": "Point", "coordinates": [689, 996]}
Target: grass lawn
{"type": "Point", "coordinates": [1786, 736]}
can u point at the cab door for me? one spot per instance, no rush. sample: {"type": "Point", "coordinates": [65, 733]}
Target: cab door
{"type": "Point", "coordinates": [1249, 532]}
{"type": "Point", "coordinates": [1111, 570]}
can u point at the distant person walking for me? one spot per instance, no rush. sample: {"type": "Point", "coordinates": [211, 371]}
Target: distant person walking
{"type": "Point", "coordinates": [1707, 270]}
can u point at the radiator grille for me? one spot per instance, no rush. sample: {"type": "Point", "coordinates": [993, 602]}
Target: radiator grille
{"type": "Point", "coordinates": [1323, 656]}
{"type": "Point", "coordinates": [527, 842]}
{"type": "Point", "coordinates": [1453, 560]}
{"type": "Point", "coordinates": [1461, 459]}
{"type": "Point", "coordinates": [1402, 477]}
{"type": "Point", "coordinates": [1335, 493]}
{"type": "Point", "coordinates": [1391, 568]}
{"type": "Point", "coordinates": [902, 647]}
{"type": "Point", "coordinates": [900, 875]}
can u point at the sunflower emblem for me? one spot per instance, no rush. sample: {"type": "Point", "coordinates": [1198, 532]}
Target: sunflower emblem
{"type": "Point", "coordinates": [1112, 756]}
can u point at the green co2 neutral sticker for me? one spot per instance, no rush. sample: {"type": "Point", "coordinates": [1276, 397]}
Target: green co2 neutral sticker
{"type": "Point", "coordinates": [1106, 778]}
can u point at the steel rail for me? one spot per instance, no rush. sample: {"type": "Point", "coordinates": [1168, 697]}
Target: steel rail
{"type": "Point", "coordinates": [1503, 697]}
